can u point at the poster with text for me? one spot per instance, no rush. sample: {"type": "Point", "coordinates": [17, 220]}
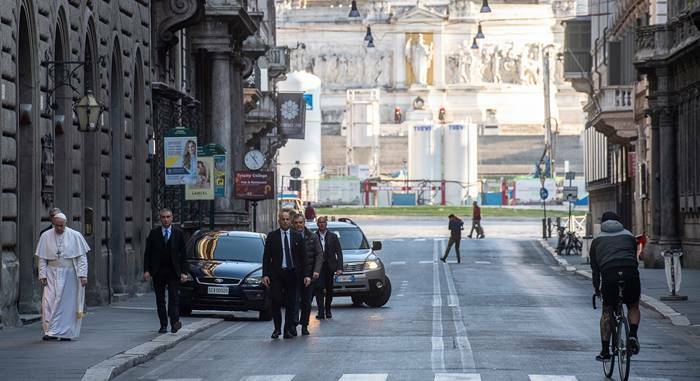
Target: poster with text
{"type": "Point", "coordinates": [203, 187]}
{"type": "Point", "coordinates": [291, 115]}
{"type": "Point", "coordinates": [180, 153]}
{"type": "Point", "coordinates": [220, 175]}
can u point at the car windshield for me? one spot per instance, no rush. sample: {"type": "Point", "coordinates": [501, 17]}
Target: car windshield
{"type": "Point", "coordinates": [350, 238]}
{"type": "Point", "coordinates": [226, 248]}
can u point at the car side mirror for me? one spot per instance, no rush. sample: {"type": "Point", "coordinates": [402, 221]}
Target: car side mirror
{"type": "Point", "coordinates": [376, 245]}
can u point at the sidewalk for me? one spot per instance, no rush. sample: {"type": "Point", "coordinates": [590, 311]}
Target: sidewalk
{"type": "Point", "coordinates": [653, 287]}
{"type": "Point", "coordinates": [106, 332]}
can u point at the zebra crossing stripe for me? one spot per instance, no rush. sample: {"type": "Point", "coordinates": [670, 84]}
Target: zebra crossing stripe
{"type": "Point", "coordinates": [398, 263]}
{"type": "Point", "coordinates": [457, 377]}
{"type": "Point", "coordinates": [648, 379]}
{"type": "Point", "coordinates": [540, 377]}
{"type": "Point", "coordinates": [271, 377]}
{"type": "Point", "coordinates": [364, 377]}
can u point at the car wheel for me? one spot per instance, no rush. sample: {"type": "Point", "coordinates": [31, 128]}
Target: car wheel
{"type": "Point", "coordinates": [379, 300]}
{"type": "Point", "coordinates": [264, 315]}
{"type": "Point", "coordinates": [185, 310]}
{"type": "Point", "coordinates": [357, 301]}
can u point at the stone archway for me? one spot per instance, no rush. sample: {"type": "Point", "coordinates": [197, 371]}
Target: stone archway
{"type": "Point", "coordinates": [116, 174]}
{"type": "Point", "coordinates": [28, 184]}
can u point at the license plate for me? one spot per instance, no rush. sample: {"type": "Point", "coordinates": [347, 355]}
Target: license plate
{"type": "Point", "coordinates": [345, 278]}
{"type": "Point", "coordinates": [217, 290]}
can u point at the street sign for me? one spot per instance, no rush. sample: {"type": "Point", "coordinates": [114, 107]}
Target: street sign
{"type": "Point", "coordinates": [254, 185]}
{"type": "Point", "coordinates": [544, 193]}
{"type": "Point", "coordinates": [571, 175]}
{"type": "Point", "coordinates": [295, 173]}
{"type": "Point", "coordinates": [570, 193]}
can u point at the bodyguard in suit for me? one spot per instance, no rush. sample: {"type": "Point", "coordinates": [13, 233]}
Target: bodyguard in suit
{"type": "Point", "coordinates": [314, 257]}
{"type": "Point", "coordinates": [332, 266]}
{"type": "Point", "coordinates": [284, 266]}
{"type": "Point", "coordinates": [165, 262]}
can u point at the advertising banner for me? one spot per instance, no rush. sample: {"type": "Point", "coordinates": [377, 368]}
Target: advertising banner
{"type": "Point", "coordinates": [203, 188]}
{"type": "Point", "coordinates": [291, 115]}
{"type": "Point", "coordinates": [220, 175]}
{"type": "Point", "coordinates": [254, 185]}
{"type": "Point", "coordinates": [180, 156]}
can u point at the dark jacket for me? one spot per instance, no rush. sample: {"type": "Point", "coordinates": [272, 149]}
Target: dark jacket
{"type": "Point", "coordinates": [333, 253]}
{"type": "Point", "coordinates": [272, 256]}
{"type": "Point", "coordinates": [455, 225]}
{"type": "Point", "coordinates": [156, 247]}
{"type": "Point", "coordinates": [613, 247]}
{"type": "Point", "coordinates": [314, 252]}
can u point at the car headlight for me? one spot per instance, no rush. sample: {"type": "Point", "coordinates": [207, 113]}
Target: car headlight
{"type": "Point", "coordinates": [253, 281]}
{"type": "Point", "coordinates": [372, 264]}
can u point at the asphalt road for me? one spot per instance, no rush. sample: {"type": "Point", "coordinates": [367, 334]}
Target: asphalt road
{"type": "Point", "coordinates": [505, 313]}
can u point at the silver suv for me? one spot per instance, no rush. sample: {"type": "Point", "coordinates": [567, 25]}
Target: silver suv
{"type": "Point", "coordinates": [363, 276]}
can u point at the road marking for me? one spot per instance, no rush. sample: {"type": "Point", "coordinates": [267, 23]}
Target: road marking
{"type": "Point", "coordinates": [364, 377]}
{"type": "Point", "coordinates": [419, 239]}
{"type": "Point", "coordinates": [483, 262]}
{"type": "Point", "coordinates": [539, 377]}
{"type": "Point", "coordinates": [648, 379]}
{"type": "Point", "coordinates": [437, 354]}
{"type": "Point", "coordinates": [428, 262]}
{"type": "Point", "coordinates": [398, 263]}
{"type": "Point", "coordinates": [465, 349]}
{"type": "Point", "coordinates": [196, 349]}
{"type": "Point", "coordinates": [272, 377]}
{"type": "Point", "coordinates": [136, 308]}
{"type": "Point", "coordinates": [397, 239]}
{"type": "Point", "coordinates": [179, 379]}
{"type": "Point", "coordinates": [457, 377]}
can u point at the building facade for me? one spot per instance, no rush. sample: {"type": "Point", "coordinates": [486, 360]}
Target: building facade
{"type": "Point", "coordinates": [53, 52]}
{"type": "Point", "coordinates": [210, 66]}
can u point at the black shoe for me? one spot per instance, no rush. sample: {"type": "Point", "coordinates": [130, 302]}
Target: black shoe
{"type": "Point", "coordinates": [459, 260]}
{"type": "Point", "coordinates": [329, 314]}
{"type": "Point", "coordinates": [633, 345]}
{"type": "Point", "coordinates": [320, 316]}
{"type": "Point", "coordinates": [470, 236]}
{"type": "Point", "coordinates": [49, 338]}
{"type": "Point", "coordinates": [163, 329]}
{"type": "Point", "coordinates": [305, 330]}
{"type": "Point", "coordinates": [287, 335]}
{"type": "Point", "coordinates": [275, 334]}
{"type": "Point", "coordinates": [64, 339]}
{"type": "Point", "coordinates": [603, 356]}
{"type": "Point", "coordinates": [175, 327]}
{"type": "Point", "coordinates": [442, 259]}
{"type": "Point", "coordinates": [293, 331]}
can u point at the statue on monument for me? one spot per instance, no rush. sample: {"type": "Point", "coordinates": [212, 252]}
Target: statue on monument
{"type": "Point", "coordinates": [420, 55]}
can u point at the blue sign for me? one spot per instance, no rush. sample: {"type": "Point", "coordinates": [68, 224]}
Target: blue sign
{"type": "Point", "coordinates": [544, 193]}
{"type": "Point", "coordinates": [309, 98]}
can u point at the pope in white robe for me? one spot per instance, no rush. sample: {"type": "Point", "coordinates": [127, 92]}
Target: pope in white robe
{"type": "Point", "coordinates": [63, 269]}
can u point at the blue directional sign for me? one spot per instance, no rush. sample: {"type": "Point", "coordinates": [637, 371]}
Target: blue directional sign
{"type": "Point", "coordinates": [544, 193]}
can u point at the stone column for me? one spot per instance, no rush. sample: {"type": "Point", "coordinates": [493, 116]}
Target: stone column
{"type": "Point", "coordinates": [399, 61]}
{"type": "Point", "coordinates": [667, 163]}
{"type": "Point", "coordinates": [655, 181]}
{"type": "Point", "coordinates": [221, 117]}
{"type": "Point", "coordinates": [237, 128]}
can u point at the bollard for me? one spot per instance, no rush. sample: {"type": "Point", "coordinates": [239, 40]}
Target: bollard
{"type": "Point", "coordinates": [544, 228]}
{"type": "Point", "coordinates": [673, 273]}
{"type": "Point", "coordinates": [549, 227]}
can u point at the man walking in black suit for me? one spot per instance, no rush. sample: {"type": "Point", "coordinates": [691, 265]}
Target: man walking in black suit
{"type": "Point", "coordinates": [284, 265]}
{"type": "Point", "coordinates": [314, 257]}
{"type": "Point", "coordinates": [165, 262]}
{"type": "Point", "coordinates": [332, 266]}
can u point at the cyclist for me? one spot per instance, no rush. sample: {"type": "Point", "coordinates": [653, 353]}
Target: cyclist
{"type": "Point", "coordinates": [614, 251]}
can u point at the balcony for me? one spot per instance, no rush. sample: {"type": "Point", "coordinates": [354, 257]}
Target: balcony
{"type": "Point", "coordinates": [660, 42]}
{"type": "Point", "coordinates": [577, 54]}
{"type": "Point", "coordinates": [611, 112]}
{"type": "Point", "coordinates": [260, 120]}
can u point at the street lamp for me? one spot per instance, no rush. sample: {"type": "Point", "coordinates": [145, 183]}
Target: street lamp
{"type": "Point", "coordinates": [87, 111]}
{"type": "Point", "coordinates": [474, 44]}
{"type": "Point", "coordinates": [479, 32]}
{"type": "Point", "coordinates": [485, 7]}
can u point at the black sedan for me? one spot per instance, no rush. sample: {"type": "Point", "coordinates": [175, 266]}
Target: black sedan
{"type": "Point", "coordinates": [225, 273]}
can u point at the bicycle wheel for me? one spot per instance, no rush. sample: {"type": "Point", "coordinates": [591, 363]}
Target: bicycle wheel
{"type": "Point", "coordinates": [609, 365]}
{"type": "Point", "coordinates": [623, 353]}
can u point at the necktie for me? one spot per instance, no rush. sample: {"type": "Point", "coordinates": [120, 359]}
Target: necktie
{"type": "Point", "coordinates": [287, 253]}
{"type": "Point", "coordinates": [166, 235]}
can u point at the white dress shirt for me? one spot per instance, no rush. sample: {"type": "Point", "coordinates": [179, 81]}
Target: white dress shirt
{"type": "Point", "coordinates": [286, 234]}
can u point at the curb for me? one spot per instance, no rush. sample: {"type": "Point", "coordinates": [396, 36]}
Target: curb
{"type": "Point", "coordinates": [118, 364]}
{"type": "Point", "coordinates": [663, 309]}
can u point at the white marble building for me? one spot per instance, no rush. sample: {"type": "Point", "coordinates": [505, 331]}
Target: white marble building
{"type": "Point", "coordinates": [423, 48]}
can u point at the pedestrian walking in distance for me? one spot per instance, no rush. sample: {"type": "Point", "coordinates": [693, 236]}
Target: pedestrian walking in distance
{"type": "Point", "coordinates": [332, 266]}
{"type": "Point", "coordinates": [476, 221]}
{"type": "Point", "coordinates": [165, 262]}
{"type": "Point", "coordinates": [63, 271]}
{"type": "Point", "coordinates": [455, 226]}
{"type": "Point", "coordinates": [283, 268]}
{"type": "Point", "coordinates": [309, 212]}
{"type": "Point", "coordinates": [314, 261]}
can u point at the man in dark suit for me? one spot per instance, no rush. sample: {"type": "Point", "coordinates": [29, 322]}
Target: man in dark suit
{"type": "Point", "coordinates": [284, 265]}
{"type": "Point", "coordinates": [332, 266]}
{"type": "Point", "coordinates": [314, 257]}
{"type": "Point", "coordinates": [165, 262]}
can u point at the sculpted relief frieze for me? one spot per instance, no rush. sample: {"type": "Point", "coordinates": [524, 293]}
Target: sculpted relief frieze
{"type": "Point", "coordinates": [503, 63]}
{"type": "Point", "coordinates": [345, 67]}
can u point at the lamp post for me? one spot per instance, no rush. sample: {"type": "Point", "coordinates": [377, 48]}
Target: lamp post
{"type": "Point", "coordinates": [88, 110]}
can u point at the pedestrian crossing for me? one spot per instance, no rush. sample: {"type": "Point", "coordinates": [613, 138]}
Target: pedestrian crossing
{"type": "Point", "coordinates": [387, 376]}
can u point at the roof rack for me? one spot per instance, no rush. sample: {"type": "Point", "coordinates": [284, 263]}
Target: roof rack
{"type": "Point", "coordinates": [345, 219]}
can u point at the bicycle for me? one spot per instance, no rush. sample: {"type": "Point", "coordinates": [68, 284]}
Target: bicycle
{"type": "Point", "coordinates": [569, 243]}
{"type": "Point", "coordinates": [620, 337]}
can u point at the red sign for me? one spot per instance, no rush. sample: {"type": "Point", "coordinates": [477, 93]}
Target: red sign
{"type": "Point", "coordinates": [254, 185]}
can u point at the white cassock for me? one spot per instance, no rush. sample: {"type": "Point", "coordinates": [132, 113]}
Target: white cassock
{"type": "Point", "coordinates": [62, 260]}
